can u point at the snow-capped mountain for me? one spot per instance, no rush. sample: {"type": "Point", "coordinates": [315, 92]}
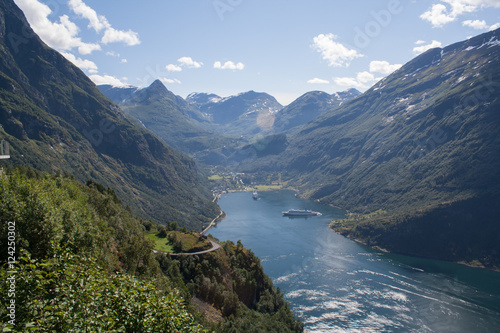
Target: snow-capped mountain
{"type": "Point", "coordinates": [309, 106]}
{"type": "Point", "coordinates": [246, 113]}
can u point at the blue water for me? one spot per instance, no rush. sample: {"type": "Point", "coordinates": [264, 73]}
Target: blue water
{"type": "Point", "coordinates": [334, 284]}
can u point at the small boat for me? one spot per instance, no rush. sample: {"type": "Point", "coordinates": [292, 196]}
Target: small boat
{"type": "Point", "coordinates": [299, 212]}
{"type": "Point", "coordinates": [255, 195]}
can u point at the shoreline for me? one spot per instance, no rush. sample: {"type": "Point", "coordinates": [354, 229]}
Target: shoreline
{"type": "Point", "coordinates": [375, 247]}
{"type": "Point", "coordinates": [212, 223]}
{"type": "Point", "coordinates": [383, 250]}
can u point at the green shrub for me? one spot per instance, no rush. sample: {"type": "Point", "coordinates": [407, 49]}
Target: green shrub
{"type": "Point", "coordinates": [72, 293]}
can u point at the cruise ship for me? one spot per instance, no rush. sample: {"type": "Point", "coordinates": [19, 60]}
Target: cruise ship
{"type": "Point", "coordinates": [298, 212]}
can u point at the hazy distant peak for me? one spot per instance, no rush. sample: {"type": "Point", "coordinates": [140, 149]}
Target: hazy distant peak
{"type": "Point", "coordinates": [202, 98]}
{"type": "Point", "coordinates": [347, 94]}
{"type": "Point", "coordinates": [157, 86]}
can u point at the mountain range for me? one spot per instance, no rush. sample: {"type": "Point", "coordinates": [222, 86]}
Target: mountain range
{"type": "Point", "coordinates": [247, 113]}
{"type": "Point", "coordinates": [176, 122]}
{"type": "Point", "coordinates": [56, 120]}
{"type": "Point", "coordinates": [415, 159]}
{"type": "Point", "coordinates": [308, 107]}
{"type": "Point", "coordinates": [216, 130]}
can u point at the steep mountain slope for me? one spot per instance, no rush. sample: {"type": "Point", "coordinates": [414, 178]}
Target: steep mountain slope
{"type": "Point", "coordinates": [247, 113]}
{"type": "Point", "coordinates": [309, 106]}
{"type": "Point", "coordinates": [421, 144]}
{"type": "Point", "coordinates": [431, 126]}
{"type": "Point", "coordinates": [56, 119]}
{"type": "Point", "coordinates": [172, 119]}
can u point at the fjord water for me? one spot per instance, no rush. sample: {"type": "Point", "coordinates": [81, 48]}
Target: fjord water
{"type": "Point", "coordinates": [334, 284]}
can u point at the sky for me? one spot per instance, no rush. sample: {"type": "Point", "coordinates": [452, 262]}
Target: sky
{"type": "Point", "coordinates": [282, 47]}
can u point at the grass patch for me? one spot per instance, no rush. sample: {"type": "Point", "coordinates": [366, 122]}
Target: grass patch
{"type": "Point", "coordinates": [188, 242]}
{"type": "Point", "coordinates": [355, 217]}
{"type": "Point", "coordinates": [264, 188]}
{"type": "Point", "coordinates": [161, 244]}
{"type": "Point", "coordinates": [215, 177]}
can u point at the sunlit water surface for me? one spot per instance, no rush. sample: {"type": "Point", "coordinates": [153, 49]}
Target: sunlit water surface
{"type": "Point", "coordinates": [336, 285]}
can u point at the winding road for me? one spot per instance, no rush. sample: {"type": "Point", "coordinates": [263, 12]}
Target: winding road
{"type": "Point", "coordinates": [212, 223]}
{"type": "Point", "coordinates": [215, 246]}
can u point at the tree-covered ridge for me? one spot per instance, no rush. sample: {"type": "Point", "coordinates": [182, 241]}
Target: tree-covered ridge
{"type": "Point", "coordinates": [465, 231]}
{"type": "Point", "coordinates": [233, 281]}
{"type": "Point", "coordinates": [88, 219]}
{"type": "Point", "coordinates": [83, 261]}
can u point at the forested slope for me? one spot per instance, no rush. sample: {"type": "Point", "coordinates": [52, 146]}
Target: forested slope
{"type": "Point", "coordinates": [81, 262]}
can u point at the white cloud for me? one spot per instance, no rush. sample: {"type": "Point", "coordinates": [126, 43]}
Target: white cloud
{"type": "Point", "coordinates": [335, 53]}
{"type": "Point", "coordinates": [420, 42]}
{"type": "Point", "coordinates": [384, 67]}
{"type": "Point", "coordinates": [60, 35]}
{"type": "Point", "coordinates": [88, 48]}
{"type": "Point", "coordinates": [173, 68]}
{"type": "Point", "coordinates": [124, 61]}
{"type": "Point", "coordinates": [349, 82]}
{"type": "Point", "coordinates": [112, 35]}
{"type": "Point", "coordinates": [229, 65]}
{"type": "Point", "coordinates": [71, 27]}
{"type": "Point", "coordinates": [318, 81]}
{"type": "Point", "coordinates": [439, 14]}
{"type": "Point", "coordinates": [494, 26]}
{"type": "Point", "coordinates": [364, 77]}
{"type": "Point", "coordinates": [189, 62]}
{"type": "Point", "coordinates": [83, 64]}
{"type": "Point", "coordinates": [169, 81]}
{"type": "Point", "coordinates": [107, 79]}
{"type": "Point", "coordinates": [480, 25]}
{"type": "Point", "coordinates": [423, 48]}
{"type": "Point", "coordinates": [476, 24]}
{"type": "Point", "coordinates": [362, 81]}
{"type": "Point", "coordinates": [97, 22]}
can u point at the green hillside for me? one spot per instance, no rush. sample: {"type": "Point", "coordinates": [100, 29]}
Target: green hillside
{"type": "Point", "coordinates": [425, 136]}
{"type": "Point", "coordinates": [56, 119]}
{"type": "Point", "coordinates": [82, 264]}
{"type": "Point", "coordinates": [79, 252]}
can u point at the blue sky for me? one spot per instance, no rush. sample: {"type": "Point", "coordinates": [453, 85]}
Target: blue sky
{"type": "Point", "coordinates": [282, 47]}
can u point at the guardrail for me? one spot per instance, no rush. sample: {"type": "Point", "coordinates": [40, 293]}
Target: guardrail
{"type": "Point", "coordinates": [4, 150]}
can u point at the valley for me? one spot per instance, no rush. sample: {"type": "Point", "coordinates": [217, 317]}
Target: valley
{"type": "Point", "coordinates": [419, 145]}
{"type": "Point", "coordinates": [136, 203]}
